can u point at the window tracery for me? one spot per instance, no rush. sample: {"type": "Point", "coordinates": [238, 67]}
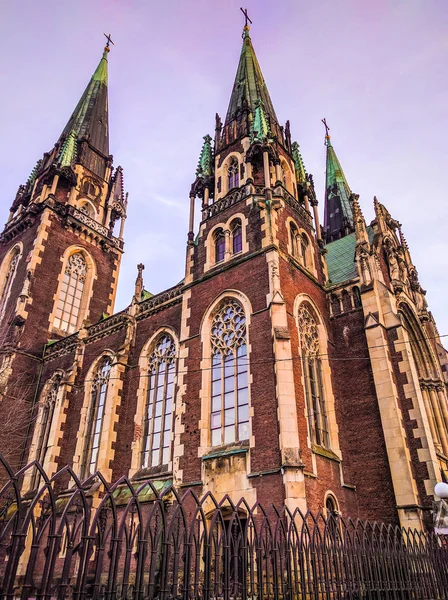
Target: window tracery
{"type": "Point", "coordinates": [312, 369]}
{"type": "Point", "coordinates": [157, 420]}
{"type": "Point", "coordinates": [95, 418]}
{"type": "Point", "coordinates": [229, 420]}
{"type": "Point", "coordinates": [68, 305]}
{"type": "Point", "coordinates": [14, 258]}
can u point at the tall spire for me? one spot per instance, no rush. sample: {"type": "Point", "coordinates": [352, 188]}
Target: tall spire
{"type": "Point", "coordinates": [338, 218]}
{"type": "Point", "coordinates": [249, 86]}
{"type": "Point", "coordinates": [90, 117]}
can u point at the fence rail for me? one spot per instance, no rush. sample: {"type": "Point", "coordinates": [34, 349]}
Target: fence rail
{"type": "Point", "coordinates": [73, 539]}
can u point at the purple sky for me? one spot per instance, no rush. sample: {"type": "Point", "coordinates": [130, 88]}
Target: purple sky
{"type": "Point", "coordinates": [376, 70]}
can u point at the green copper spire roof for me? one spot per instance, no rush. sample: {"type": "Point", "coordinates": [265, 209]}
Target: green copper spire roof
{"type": "Point", "coordinates": [249, 83]}
{"type": "Point", "coordinates": [338, 216]}
{"type": "Point", "coordinates": [205, 166]}
{"type": "Point", "coordinates": [260, 126]}
{"type": "Point", "coordinates": [298, 163]}
{"type": "Point", "coordinates": [69, 150]}
{"type": "Point", "coordinates": [90, 117]}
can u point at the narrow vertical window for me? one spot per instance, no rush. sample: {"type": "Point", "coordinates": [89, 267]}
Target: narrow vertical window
{"type": "Point", "coordinates": [158, 416]}
{"type": "Point", "coordinates": [312, 372]}
{"type": "Point", "coordinates": [230, 392]}
{"type": "Point", "coordinates": [304, 249]}
{"type": "Point", "coordinates": [294, 235]}
{"type": "Point", "coordinates": [69, 302]}
{"type": "Point", "coordinates": [233, 175]}
{"type": "Point", "coordinates": [9, 278]}
{"type": "Point", "coordinates": [46, 420]}
{"type": "Point", "coordinates": [220, 246]}
{"type": "Point", "coordinates": [95, 418]}
{"type": "Point", "coordinates": [237, 237]}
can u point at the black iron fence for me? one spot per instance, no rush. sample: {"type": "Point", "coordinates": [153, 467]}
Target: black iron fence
{"type": "Point", "coordinates": [72, 539]}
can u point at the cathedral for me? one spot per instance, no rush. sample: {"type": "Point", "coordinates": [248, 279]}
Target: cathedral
{"type": "Point", "coordinates": [296, 362]}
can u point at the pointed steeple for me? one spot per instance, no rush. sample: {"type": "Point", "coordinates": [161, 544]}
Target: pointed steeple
{"type": "Point", "coordinates": [260, 129]}
{"type": "Point", "coordinates": [205, 166]}
{"type": "Point", "coordinates": [298, 164]}
{"type": "Point", "coordinates": [338, 218]}
{"type": "Point", "coordinates": [90, 117]}
{"type": "Point", "coordinates": [249, 84]}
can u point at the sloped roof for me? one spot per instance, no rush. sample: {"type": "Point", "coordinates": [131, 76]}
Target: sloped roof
{"type": "Point", "coordinates": [341, 258]}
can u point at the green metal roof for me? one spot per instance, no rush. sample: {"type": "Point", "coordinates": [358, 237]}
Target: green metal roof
{"type": "Point", "coordinates": [249, 85]}
{"type": "Point", "coordinates": [90, 117]}
{"type": "Point", "coordinates": [205, 166]}
{"type": "Point", "coordinates": [336, 185]}
{"type": "Point", "coordinates": [341, 258]}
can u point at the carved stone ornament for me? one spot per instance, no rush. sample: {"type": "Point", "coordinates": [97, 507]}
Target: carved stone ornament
{"type": "Point", "coordinates": [309, 333]}
{"type": "Point", "coordinates": [228, 328]}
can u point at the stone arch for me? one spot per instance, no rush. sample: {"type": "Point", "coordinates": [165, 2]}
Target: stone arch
{"type": "Point", "coordinates": [326, 371]}
{"type": "Point", "coordinates": [142, 393]}
{"type": "Point", "coordinates": [206, 361]}
{"type": "Point", "coordinates": [57, 323]}
{"type": "Point", "coordinates": [8, 272]}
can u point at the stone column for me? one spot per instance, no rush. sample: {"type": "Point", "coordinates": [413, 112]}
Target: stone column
{"type": "Point", "coordinates": [228, 250]}
{"type": "Point", "coordinates": [316, 219]}
{"type": "Point", "coordinates": [443, 403]}
{"type": "Point", "coordinates": [191, 222]}
{"type": "Point", "coordinates": [267, 174]}
{"type": "Point", "coordinates": [439, 419]}
{"type": "Point", "coordinates": [278, 172]}
{"type": "Point", "coordinates": [307, 202]}
{"type": "Point", "coordinates": [248, 170]}
{"type": "Point", "coordinates": [430, 415]}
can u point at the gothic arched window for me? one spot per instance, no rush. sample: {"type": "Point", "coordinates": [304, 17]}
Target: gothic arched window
{"type": "Point", "coordinates": [237, 236]}
{"type": "Point", "coordinates": [229, 420]}
{"type": "Point", "coordinates": [312, 372]}
{"type": "Point", "coordinates": [233, 174]}
{"type": "Point", "coordinates": [220, 246]}
{"type": "Point", "coordinates": [8, 277]}
{"type": "Point", "coordinates": [304, 245]}
{"type": "Point", "coordinates": [95, 417]}
{"type": "Point", "coordinates": [70, 296]}
{"type": "Point", "coordinates": [157, 419]}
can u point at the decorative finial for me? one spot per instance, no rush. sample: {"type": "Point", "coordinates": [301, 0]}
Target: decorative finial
{"type": "Point", "coordinates": [246, 26]}
{"type": "Point", "coordinates": [327, 129]}
{"type": "Point", "coordinates": [139, 282]}
{"type": "Point", "coordinates": [109, 42]}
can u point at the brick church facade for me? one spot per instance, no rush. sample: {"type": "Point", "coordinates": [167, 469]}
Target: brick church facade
{"type": "Point", "coordinates": [295, 363]}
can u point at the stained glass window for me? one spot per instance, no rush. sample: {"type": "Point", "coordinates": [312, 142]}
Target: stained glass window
{"type": "Point", "coordinates": [312, 369]}
{"type": "Point", "coordinates": [95, 418]}
{"type": "Point", "coordinates": [69, 302]}
{"type": "Point", "coordinates": [9, 278]}
{"type": "Point", "coordinates": [157, 420]}
{"type": "Point", "coordinates": [229, 386]}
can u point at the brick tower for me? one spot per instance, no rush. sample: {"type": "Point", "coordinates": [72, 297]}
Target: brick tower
{"type": "Point", "coordinates": [59, 252]}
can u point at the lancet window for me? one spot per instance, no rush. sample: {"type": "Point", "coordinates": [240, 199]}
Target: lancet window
{"type": "Point", "coordinates": [237, 237]}
{"type": "Point", "coordinates": [220, 246]}
{"type": "Point", "coordinates": [8, 277]}
{"type": "Point", "coordinates": [46, 420]}
{"type": "Point", "coordinates": [312, 372]}
{"type": "Point", "coordinates": [233, 174]}
{"type": "Point", "coordinates": [95, 417]}
{"type": "Point", "coordinates": [229, 421]}
{"type": "Point", "coordinates": [68, 305]}
{"type": "Point", "coordinates": [158, 415]}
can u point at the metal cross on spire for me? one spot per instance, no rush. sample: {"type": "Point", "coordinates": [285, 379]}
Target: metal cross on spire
{"type": "Point", "coordinates": [327, 129]}
{"type": "Point", "coordinates": [109, 40]}
{"type": "Point", "coordinates": [246, 16]}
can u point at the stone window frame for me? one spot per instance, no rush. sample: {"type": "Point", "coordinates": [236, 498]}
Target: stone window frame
{"type": "Point", "coordinates": [330, 495]}
{"type": "Point", "coordinates": [205, 445]}
{"type": "Point", "coordinates": [296, 253]}
{"type": "Point", "coordinates": [93, 213]}
{"type": "Point", "coordinates": [227, 229]}
{"type": "Point", "coordinates": [288, 176]}
{"type": "Point", "coordinates": [15, 250]}
{"type": "Point", "coordinates": [87, 292]}
{"type": "Point", "coordinates": [330, 406]}
{"type": "Point", "coordinates": [142, 392]}
{"type": "Point", "coordinates": [108, 436]}
{"type": "Point", "coordinates": [58, 418]}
